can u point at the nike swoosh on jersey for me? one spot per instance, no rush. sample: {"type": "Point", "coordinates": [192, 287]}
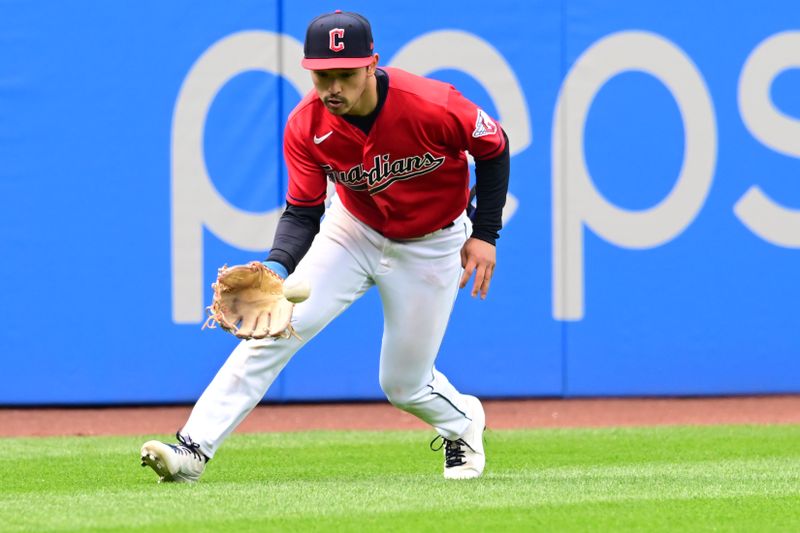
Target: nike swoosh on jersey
{"type": "Point", "coordinates": [318, 140]}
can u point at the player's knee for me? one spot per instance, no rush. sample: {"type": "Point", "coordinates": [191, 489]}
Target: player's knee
{"type": "Point", "coordinates": [401, 395]}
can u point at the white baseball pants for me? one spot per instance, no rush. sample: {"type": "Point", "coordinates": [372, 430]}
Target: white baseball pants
{"type": "Point", "coordinates": [417, 281]}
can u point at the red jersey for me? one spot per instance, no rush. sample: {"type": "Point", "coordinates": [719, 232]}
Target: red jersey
{"type": "Point", "coordinates": [410, 175]}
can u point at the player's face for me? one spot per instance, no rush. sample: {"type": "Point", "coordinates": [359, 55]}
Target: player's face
{"type": "Point", "coordinates": [346, 90]}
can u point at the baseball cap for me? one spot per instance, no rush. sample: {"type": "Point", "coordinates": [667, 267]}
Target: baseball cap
{"type": "Point", "coordinates": [338, 40]}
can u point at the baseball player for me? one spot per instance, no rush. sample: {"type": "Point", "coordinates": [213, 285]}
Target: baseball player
{"type": "Point", "coordinates": [394, 144]}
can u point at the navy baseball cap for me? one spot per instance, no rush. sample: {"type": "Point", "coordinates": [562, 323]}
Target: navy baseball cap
{"type": "Point", "coordinates": [338, 40]}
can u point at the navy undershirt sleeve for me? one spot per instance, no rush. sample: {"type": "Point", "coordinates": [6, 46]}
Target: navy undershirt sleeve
{"type": "Point", "coordinates": [296, 229]}
{"type": "Point", "coordinates": [491, 187]}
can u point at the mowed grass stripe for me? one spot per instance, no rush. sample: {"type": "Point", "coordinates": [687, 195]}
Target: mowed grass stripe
{"type": "Point", "coordinates": [644, 482]}
{"type": "Point", "coordinates": [696, 477]}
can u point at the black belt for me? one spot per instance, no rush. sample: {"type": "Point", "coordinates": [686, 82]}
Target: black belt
{"type": "Point", "coordinates": [450, 225]}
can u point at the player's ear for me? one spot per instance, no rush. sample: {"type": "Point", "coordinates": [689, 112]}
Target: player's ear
{"type": "Point", "coordinates": [373, 66]}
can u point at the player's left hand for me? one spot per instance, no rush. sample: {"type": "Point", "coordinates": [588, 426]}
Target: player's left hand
{"type": "Point", "coordinates": [478, 257]}
{"type": "Point", "coordinates": [249, 302]}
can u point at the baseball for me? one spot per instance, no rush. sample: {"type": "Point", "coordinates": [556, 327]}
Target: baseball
{"type": "Point", "coordinates": [296, 291]}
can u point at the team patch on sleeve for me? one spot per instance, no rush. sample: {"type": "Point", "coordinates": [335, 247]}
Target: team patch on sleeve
{"type": "Point", "coordinates": [484, 125]}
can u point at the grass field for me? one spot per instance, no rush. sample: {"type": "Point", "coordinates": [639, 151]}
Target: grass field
{"type": "Point", "coordinates": [712, 478]}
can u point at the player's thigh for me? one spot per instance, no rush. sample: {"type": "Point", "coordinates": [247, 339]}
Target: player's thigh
{"type": "Point", "coordinates": [337, 278]}
{"type": "Point", "coordinates": [417, 298]}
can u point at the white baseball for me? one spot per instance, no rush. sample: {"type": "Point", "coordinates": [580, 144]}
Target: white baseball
{"type": "Point", "coordinates": [296, 291]}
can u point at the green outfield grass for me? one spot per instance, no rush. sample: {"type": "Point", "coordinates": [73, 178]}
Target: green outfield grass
{"type": "Point", "coordinates": [728, 478]}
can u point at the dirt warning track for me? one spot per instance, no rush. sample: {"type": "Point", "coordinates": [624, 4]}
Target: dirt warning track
{"type": "Point", "coordinates": [500, 414]}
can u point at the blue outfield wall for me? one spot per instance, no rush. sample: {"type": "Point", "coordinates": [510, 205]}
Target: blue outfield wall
{"type": "Point", "coordinates": [652, 232]}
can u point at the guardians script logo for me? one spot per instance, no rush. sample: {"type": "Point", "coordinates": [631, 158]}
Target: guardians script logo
{"type": "Point", "coordinates": [384, 172]}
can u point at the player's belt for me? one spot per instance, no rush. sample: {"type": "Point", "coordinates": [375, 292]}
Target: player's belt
{"type": "Point", "coordinates": [446, 226]}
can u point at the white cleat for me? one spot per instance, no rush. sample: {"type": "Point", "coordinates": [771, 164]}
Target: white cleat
{"type": "Point", "coordinates": [464, 458]}
{"type": "Point", "coordinates": [180, 463]}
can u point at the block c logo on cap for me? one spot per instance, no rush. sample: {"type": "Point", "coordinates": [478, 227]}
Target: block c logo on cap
{"type": "Point", "coordinates": [336, 42]}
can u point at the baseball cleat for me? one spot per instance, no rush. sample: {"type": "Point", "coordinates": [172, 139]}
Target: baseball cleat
{"type": "Point", "coordinates": [464, 458]}
{"type": "Point", "coordinates": [180, 463]}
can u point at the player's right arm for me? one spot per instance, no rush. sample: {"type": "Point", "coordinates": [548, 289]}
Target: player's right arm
{"type": "Point", "coordinates": [296, 229]}
{"type": "Point", "coordinates": [305, 204]}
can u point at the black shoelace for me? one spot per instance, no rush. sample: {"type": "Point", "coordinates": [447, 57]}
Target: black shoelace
{"type": "Point", "coordinates": [453, 450]}
{"type": "Point", "coordinates": [188, 447]}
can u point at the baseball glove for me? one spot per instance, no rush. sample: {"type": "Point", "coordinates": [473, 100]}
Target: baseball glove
{"type": "Point", "coordinates": [249, 302]}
